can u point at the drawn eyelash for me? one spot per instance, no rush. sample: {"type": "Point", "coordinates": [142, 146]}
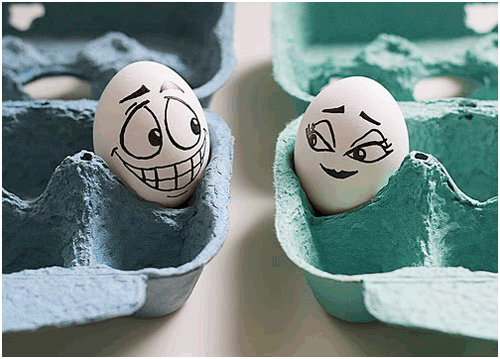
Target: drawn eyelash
{"type": "Point", "coordinates": [312, 136]}
{"type": "Point", "coordinates": [130, 108]}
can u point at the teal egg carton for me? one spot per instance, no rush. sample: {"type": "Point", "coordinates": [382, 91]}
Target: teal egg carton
{"type": "Point", "coordinates": [397, 44]}
{"type": "Point", "coordinates": [423, 253]}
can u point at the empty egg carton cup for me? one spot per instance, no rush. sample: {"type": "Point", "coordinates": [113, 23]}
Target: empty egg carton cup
{"type": "Point", "coordinates": [78, 245]}
{"type": "Point", "coordinates": [93, 41]}
{"type": "Point", "coordinates": [424, 252]}
{"type": "Point", "coordinates": [395, 44]}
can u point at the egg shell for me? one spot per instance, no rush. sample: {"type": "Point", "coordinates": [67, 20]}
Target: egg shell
{"type": "Point", "coordinates": [351, 139]}
{"type": "Point", "coordinates": [151, 130]}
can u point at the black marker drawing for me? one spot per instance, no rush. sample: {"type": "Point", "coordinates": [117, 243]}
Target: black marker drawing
{"type": "Point", "coordinates": [143, 90]}
{"type": "Point", "coordinates": [339, 174]}
{"type": "Point", "coordinates": [167, 178]}
{"type": "Point", "coordinates": [340, 109]}
{"type": "Point", "coordinates": [180, 194]}
{"type": "Point", "coordinates": [318, 135]}
{"type": "Point", "coordinates": [171, 177]}
{"type": "Point", "coordinates": [154, 135]}
{"type": "Point", "coordinates": [130, 107]}
{"type": "Point", "coordinates": [373, 150]}
{"type": "Point", "coordinates": [364, 116]}
{"type": "Point", "coordinates": [194, 125]}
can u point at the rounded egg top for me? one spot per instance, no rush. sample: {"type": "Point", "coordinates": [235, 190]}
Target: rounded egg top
{"type": "Point", "coordinates": [351, 139]}
{"type": "Point", "coordinates": [151, 130]}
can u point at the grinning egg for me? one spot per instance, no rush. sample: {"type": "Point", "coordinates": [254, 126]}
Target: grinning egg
{"type": "Point", "coordinates": [351, 139]}
{"type": "Point", "coordinates": [150, 129]}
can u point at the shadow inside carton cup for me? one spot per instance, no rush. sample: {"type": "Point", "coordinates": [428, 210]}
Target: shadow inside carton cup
{"type": "Point", "coordinates": [260, 110]}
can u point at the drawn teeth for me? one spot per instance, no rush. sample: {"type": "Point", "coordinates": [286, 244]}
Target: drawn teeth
{"type": "Point", "coordinates": [196, 169]}
{"type": "Point", "coordinates": [183, 167]}
{"type": "Point", "coordinates": [149, 174]}
{"type": "Point", "coordinates": [166, 172]}
{"type": "Point", "coordinates": [183, 180]}
{"type": "Point", "coordinates": [196, 158]}
{"type": "Point", "coordinates": [203, 151]}
{"type": "Point", "coordinates": [135, 171]}
{"type": "Point", "coordinates": [156, 178]}
{"type": "Point", "coordinates": [171, 177]}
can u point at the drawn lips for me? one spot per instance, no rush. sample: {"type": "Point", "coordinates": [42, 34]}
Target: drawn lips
{"type": "Point", "coordinates": [171, 177]}
{"type": "Point", "coordinates": [340, 174]}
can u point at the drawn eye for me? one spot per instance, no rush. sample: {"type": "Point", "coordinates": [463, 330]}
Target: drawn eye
{"type": "Point", "coordinates": [374, 148]}
{"type": "Point", "coordinates": [141, 135]}
{"type": "Point", "coordinates": [320, 136]}
{"type": "Point", "coordinates": [183, 126]}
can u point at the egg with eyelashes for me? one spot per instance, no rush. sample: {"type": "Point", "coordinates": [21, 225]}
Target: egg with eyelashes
{"type": "Point", "coordinates": [151, 130]}
{"type": "Point", "coordinates": [351, 140]}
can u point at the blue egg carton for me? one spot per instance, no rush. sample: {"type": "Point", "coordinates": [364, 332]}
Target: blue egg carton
{"type": "Point", "coordinates": [93, 41]}
{"type": "Point", "coordinates": [78, 245]}
{"type": "Point", "coordinates": [424, 252]}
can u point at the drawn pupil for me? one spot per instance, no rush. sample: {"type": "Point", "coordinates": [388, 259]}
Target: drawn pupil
{"type": "Point", "coordinates": [359, 154]}
{"type": "Point", "coordinates": [154, 137]}
{"type": "Point", "coordinates": [195, 126]}
{"type": "Point", "coordinates": [313, 140]}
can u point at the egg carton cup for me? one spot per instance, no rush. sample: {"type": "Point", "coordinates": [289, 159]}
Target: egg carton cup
{"type": "Point", "coordinates": [396, 44]}
{"type": "Point", "coordinates": [423, 252]}
{"type": "Point", "coordinates": [80, 246]}
{"type": "Point", "coordinates": [93, 41]}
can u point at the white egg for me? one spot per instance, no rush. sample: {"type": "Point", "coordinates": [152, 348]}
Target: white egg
{"type": "Point", "coordinates": [151, 130]}
{"type": "Point", "coordinates": [351, 139]}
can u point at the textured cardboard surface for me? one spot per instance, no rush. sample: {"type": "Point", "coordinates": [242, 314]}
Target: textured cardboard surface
{"type": "Point", "coordinates": [62, 207]}
{"type": "Point", "coordinates": [312, 43]}
{"type": "Point", "coordinates": [85, 217]}
{"type": "Point", "coordinates": [420, 219]}
{"type": "Point", "coordinates": [438, 213]}
{"type": "Point", "coordinates": [99, 39]}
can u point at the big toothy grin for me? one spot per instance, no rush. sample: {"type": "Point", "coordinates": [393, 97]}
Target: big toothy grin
{"type": "Point", "coordinates": [171, 177]}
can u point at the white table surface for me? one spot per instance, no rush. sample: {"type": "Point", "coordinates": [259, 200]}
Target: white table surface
{"type": "Point", "coordinates": [250, 299]}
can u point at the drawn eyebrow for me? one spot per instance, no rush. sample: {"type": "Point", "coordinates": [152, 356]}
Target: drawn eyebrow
{"type": "Point", "coordinates": [334, 110]}
{"type": "Point", "coordinates": [364, 116]}
{"type": "Point", "coordinates": [170, 85]}
{"type": "Point", "coordinates": [143, 90]}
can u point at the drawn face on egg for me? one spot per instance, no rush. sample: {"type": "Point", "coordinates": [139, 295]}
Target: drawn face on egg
{"type": "Point", "coordinates": [351, 139]}
{"type": "Point", "coordinates": [150, 129]}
